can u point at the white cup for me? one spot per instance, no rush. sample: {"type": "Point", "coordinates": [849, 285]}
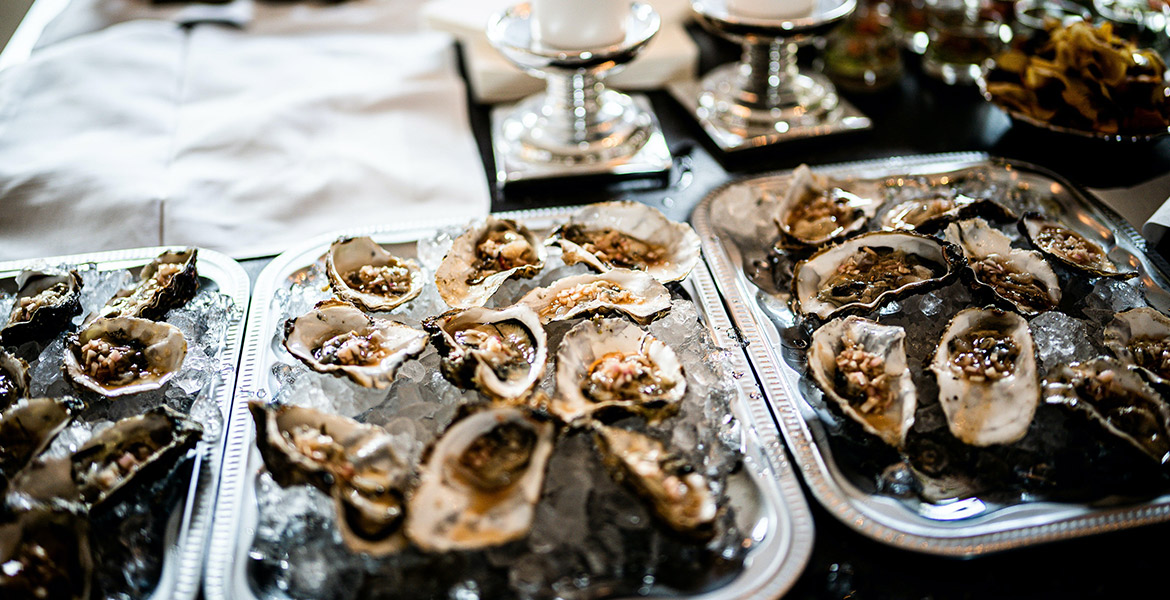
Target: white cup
{"type": "Point", "coordinates": [771, 9]}
{"type": "Point", "coordinates": [579, 24]}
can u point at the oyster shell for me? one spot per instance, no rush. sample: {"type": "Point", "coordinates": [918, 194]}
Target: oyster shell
{"type": "Point", "coordinates": [46, 302]}
{"type": "Point", "coordinates": [14, 378]}
{"type": "Point", "coordinates": [862, 273]}
{"type": "Point", "coordinates": [632, 293]}
{"type": "Point", "coordinates": [1069, 248]}
{"type": "Point", "coordinates": [28, 427]}
{"type": "Point", "coordinates": [481, 481]}
{"type": "Point", "coordinates": [861, 366]}
{"type": "Point", "coordinates": [1141, 337]}
{"type": "Point", "coordinates": [362, 272]}
{"type": "Point", "coordinates": [124, 355]}
{"type": "Point", "coordinates": [679, 494]}
{"type": "Point", "coordinates": [1118, 399]}
{"type": "Point", "coordinates": [355, 463]}
{"type": "Point", "coordinates": [988, 379]}
{"type": "Point", "coordinates": [605, 364]}
{"type": "Point", "coordinates": [485, 256]}
{"type": "Point", "coordinates": [629, 235]}
{"type": "Point", "coordinates": [45, 554]}
{"type": "Point", "coordinates": [1021, 278]}
{"type": "Point", "coordinates": [930, 214]}
{"type": "Point", "coordinates": [501, 352]}
{"type": "Point", "coordinates": [814, 211]}
{"type": "Point", "coordinates": [169, 281]}
{"type": "Point", "coordinates": [337, 338]}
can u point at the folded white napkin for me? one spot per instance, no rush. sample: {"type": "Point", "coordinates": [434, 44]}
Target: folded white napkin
{"type": "Point", "coordinates": [1145, 206]}
{"type": "Point", "coordinates": [144, 133]}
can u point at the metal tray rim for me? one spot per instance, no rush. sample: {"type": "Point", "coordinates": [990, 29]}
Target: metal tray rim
{"type": "Point", "coordinates": [941, 540]}
{"type": "Point", "coordinates": [774, 573]}
{"type": "Point", "coordinates": [182, 569]}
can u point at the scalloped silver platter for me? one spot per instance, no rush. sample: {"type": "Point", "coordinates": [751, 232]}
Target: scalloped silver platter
{"type": "Point", "coordinates": [883, 518]}
{"type": "Point", "coordinates": [782, 528]}
{"type": "Point", "coordinates": [190, 523]}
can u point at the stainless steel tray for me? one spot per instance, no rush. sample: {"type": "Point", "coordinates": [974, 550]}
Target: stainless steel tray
{"type": "Point", "coordinates": [732, 251]}
{"type": "Point", "coordinates": [783, 533]}
{"type": "Point", "coordinates": [189, 526]}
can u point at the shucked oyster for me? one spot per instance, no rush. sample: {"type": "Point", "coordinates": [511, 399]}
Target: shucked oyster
{"type": "Point", "coordinates": [1117, 398]}
{"type": "Point", "coordinates": [501, 352]}
{"type": "Point", "coordinates": [45, 303]}
{"type": "Point", "coordinates": [338, 339]}
{"type": "Point", "coordinates": [45, 555]}
{"type": "Point", "coordinates": [930, 214]}
{"type": "Point", "coordinates": [861, 366]}
{"type": "Point", "coordinates": [679, 494]}
{"type": "Point", "coordinates": [814, 211]}
{"type": "Point", "coordinates": [28, 427]}
{"type": "Point", "coordinates": [362, 272]}
{"type": "Point", "coordinates": [628, 235]}
{"type": "Point", "coordinates": [1141, 337]}
{"type": "Point", "coordinates": [1020, 277]}
{"type": "Point", "coordinates": [632, 293]}
{"type": "Point", "coordinates": [14, 378]}
{"type": "Point", "coordinates": [124, 355]}
{"type": "Point", "coordinates": [988, 380]}
{"type": "Point", "coordinates": [1070, 248]}
{"type": "Point", "coordinates": [613, 364]}
{"type": "Point", "coordinates": [167, 282]}
{"type": "Point", "coordinates": [862, 273]}
{"type": "Point", "coordinates": [353, 462]}
{"type": "Point", "coordinates": [485, 256]}
{"type": "Point", "coordinates": [481, 481]}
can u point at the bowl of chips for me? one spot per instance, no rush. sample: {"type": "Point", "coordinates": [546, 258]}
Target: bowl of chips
{"type": "Point", "coordinates": [1082, 80]}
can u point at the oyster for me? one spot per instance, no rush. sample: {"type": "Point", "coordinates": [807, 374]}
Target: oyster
{"type": "Point", "coordinates": [501, 352]}
{"type": "Point", "coordinates": [14, 378]}
{"type": "Point", "coordinates": [861, 366]}
{"type": "Point", "coordinates": [45, 555]}
{"type": "Point", "coordinates": [124, 355]}
{"type": "Point", "coordinates": [988, 379]}
{"type": "Point", "coordinates": [632, 293]}
{"type": "Point", "coordinates": [1118, 399]}
{"type": "Point", "coordinates": [1141, 337]}
{"type": "Point", "coordinates": [1022, 278]}
{"type": "Point", "coordinates": [481, 481]}
{"type": "Point", "coordinates": [1069, 248]}
{"type": "Point", "coordinates": [930, 214]}
{"type": "Point", "coordinates": [605, 364]}
{"type": "Point", "coordinates": [28, 427]}
{"type": "Point", "coordinates": [355, 463]}
{"type": "Point", "coordinates": [169, 281]}
{"type": "Point", "coordinates": [863, 272]}
{"type": "Point", "coordinates": [813, 211]}
{"type": "Point", "coordinates": [483, 258]}
{"type": "Point", "coordinates": [362, 272]}
{"type": "Point", "coordinates": [338, 339]}
{"type": "Point", "coordinates": [628, 235]}
{"type": "Point", "coordinates": [679, 494]}
{"type": "Point", "coordinates": [46, 301]}
{"type": "Point", "coordinates": [132, 449]}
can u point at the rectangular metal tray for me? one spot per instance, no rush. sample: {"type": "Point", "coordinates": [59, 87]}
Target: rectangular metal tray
{"type": "Point", "coordinates": [782, 534]}
{"type": "Point", "coordinates": [730, 255]}
{"type": "Point", "coordinates": [189, 526]}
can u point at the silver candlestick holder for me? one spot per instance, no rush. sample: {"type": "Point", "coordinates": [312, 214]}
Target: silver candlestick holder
{"type": "Point", "coordinates": [766, 98]}
{"type": "Point", "coordinates": [577, 126]}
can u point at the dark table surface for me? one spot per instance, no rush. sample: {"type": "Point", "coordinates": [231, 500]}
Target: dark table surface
{"type": "Point", "coordinates": [918, 116]}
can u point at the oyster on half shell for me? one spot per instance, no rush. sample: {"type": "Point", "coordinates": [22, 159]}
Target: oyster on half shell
{"type": "Point", "coordinates": [814, 211]}
{"type": "Point", "coordinates": [14, 378]}
{"type": "Point", "coordinates": [483, 258]}
{"type": "Point", "coordinates": [119, 356]}
{"type": "Point", "coordinates": [501, 352]}
{"type": "Point", "coordinates": [168, 281]}
{"type": "Point", "coordinates": [28, 427]}
{"type": "Point", "coordinates": [1141, 337]}
{"type": "Point", "coordinates": [628, 235]}
{"type": "Point", "coordinates": [337, 338]}
{"type": "Point", "coordinates": [45, 303]}
{"type": "Point", "coordinates": [632, 293]}
{"type": "Point", "coordinates": [45, 554]}
{"type": "Point", "coordinates": [481, 481]}
{"type": "Point", "coordinates": [362, 272]}
{"type": "Point", "coordinates": [988, 378]}
{"type": "Point", "coordinates": [1021, 278]}
{"type": "Point", "coordinates": [930, 214]}
{"type": "Point", "coordinates": [861, 366]}
{"type": "Point", "coordinates": [1069, 248]}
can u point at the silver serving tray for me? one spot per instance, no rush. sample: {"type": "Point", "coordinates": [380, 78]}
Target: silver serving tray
{"type": "Point", "coordinates": [949, 530]}
{"type": "Point", "coordinates": [190, 523]}
{"type": "Point", "coordinates": [782, 530]}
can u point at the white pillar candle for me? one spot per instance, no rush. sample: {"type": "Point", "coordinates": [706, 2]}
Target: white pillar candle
{"type": "Point", "coordinates": [579, 24]}
{"type": "Point", "coordinates": [771, 9]}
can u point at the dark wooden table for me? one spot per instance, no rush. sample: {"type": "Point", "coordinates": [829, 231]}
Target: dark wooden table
{"type": "Point", "coordinates": [917, 116]}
